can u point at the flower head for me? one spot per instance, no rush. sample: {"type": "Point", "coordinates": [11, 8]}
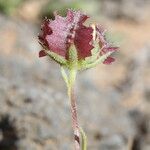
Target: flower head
{"type": "Point", "coordinates": [58, 36]}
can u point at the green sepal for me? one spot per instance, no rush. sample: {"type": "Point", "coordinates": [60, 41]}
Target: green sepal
{"type": "Point", "coordinates": [101, 59]}
{"type": "Point", "coordinates": [59, 59]}
{"type": "Point", "coordinates": [73, 57]}
{"type": "Point", "coordinates": [81, 64]}
{"type": "Point", "coordinates": [64, 75]}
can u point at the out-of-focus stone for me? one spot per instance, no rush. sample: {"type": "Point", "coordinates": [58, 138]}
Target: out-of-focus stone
{"type": "Point", "coordinates": [135, 10]}
{"type": "Point", "coordinates": [30, 10]}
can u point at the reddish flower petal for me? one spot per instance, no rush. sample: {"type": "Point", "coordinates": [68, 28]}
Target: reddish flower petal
{"type": "Point", "coordinates": [57, 35]}
{"type": "Point", "coordinates": [101, 37]}
{"type": "Point", "coordinates": [42, 53]}
{"type": "Point", "coordinates": [81, 34]}
{"type": "Point", "coordinates": [104, 45]}
{"type": "Point", "coordinates": [76, 16]}
{"type": "Point", "coordinates": [104, 50]}
{"type": "Point", "coordinates": [46, 30]}
{"type": "Point", "coordinates": [82, 41]}
{"type": "Point", "coordinates": [54, 35]}
{"type": "Point", "coordinates": [58, 39]}
{"type": "Point", "coordinates": [110, 49]}
{"type": "Point", "coordinates": [108, 60]}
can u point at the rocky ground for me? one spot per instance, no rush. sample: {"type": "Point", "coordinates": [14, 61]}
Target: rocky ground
{"type": "Point", "coordinates": [113, 101]}
{"type": "Point", "coordinates": [135, 10]}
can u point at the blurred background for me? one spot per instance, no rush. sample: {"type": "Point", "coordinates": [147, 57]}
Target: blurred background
{"type": "Point", "coordinates": [113, 100]}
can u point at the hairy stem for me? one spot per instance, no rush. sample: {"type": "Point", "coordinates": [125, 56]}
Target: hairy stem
{"type": "Point", "coordinates": [70, 81]}
{"type": "Point", "coordinates": [73, 106]}
{"type": "Point", "coordinates": [75, 124]}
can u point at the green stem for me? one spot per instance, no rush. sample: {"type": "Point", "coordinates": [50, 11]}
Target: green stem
{"type": "Point", "coordinates": [84, 139]}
